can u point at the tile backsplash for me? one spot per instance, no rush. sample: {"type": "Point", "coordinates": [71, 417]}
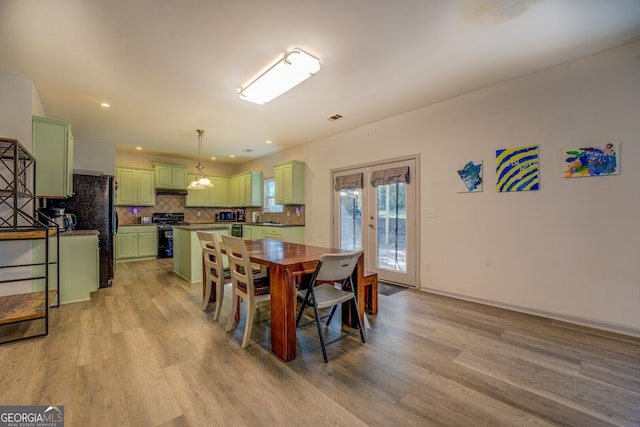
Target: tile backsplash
{"type": "Point", "coordinates": [175, 203]}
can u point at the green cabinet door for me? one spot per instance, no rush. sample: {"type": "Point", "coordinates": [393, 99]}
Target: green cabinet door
{"type": "Point", "coordinates": [170, 176]}
{"type": "Point", "coordinates": [146, 188]}
{"type": "Point", "coordinates": [246, 189]}
{"type": "Point", "coordinates": [289, 183]}
{"type": "Point", "coordinates": [127, 193]}
{"type": "Point", "coordinates": [218, 195]}
{"type": "Point", "coordinates": [136, 187]}
{"type": "Point", "coordinates": [147, 244]}
{"type": "Point", "coordinates": [126, 246]}
{"type": "Point", "coordinates": [52, 146]}
{"type": "Point", "coordinates": [196, 198]}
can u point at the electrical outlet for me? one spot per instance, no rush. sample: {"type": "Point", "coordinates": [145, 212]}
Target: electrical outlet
{"type": "Point", "coordinates": [427, 267]}
{"type": "Point", "coordinates": [199, 213]}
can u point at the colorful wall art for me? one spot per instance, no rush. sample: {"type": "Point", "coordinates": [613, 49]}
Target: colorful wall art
{"type": "Point", "coordinates": [517, 169]}
{"type": "Point", "coordinates": [470, 177]}
{"type": "Point", "coordinates": [591, 161]}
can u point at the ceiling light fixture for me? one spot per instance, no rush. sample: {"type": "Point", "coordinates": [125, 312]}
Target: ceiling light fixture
{"type": "Point", "coordinates": [201, 181]}
{"type": "Point", "coordinates": [295, 67]}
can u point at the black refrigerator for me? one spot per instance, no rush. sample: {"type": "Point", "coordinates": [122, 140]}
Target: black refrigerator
{"type": "Point", "coordinates": [93, 204]}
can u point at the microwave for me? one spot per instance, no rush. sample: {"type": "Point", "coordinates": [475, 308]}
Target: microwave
{"type": "Point", "coordinates": [228, 216]}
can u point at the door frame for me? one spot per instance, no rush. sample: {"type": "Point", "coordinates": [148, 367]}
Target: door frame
{"type": "Point", "coordinates": [415, 179]}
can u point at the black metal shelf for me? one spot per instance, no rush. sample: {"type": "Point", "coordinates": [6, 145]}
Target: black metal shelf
{"type": "Point", "coordinates": [20, 221]}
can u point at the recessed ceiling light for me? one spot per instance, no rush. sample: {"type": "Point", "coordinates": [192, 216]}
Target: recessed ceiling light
{"type": "Point", "coordinates": [138, 148]}
{"type": "Point", "coordinates": [105, 105]}
{"type": "Point", "coordinates": [269, 141]}
{"type": "Point", "coordinates": [213, 158]}
{"type": "Point", "coordinates": [232, 155]}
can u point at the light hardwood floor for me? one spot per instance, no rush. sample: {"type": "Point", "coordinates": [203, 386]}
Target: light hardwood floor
{"type": "Point", "coordinates": [142, 353]}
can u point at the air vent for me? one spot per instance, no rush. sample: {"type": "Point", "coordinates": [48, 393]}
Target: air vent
{"type": "Point", "coordinates": [334, 117]}
{"type": "Point", "coordinates": [247, 150]}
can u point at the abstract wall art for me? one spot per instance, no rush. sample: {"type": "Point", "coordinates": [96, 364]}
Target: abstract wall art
{"type": "Point", "coordinates": [470, 177]}
{"type": "Point", "coordinates": [591, 161]}
{"type": "Point", "coordinates": [517, 169]}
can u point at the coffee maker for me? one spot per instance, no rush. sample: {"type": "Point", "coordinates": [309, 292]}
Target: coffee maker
{"type": "Point", "coordinates": [55, 215]}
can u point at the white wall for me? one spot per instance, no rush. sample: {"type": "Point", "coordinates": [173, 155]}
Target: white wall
{"type": "Point", "coordinates": [18, 99]}
{"type": "Point", "coordinates": [93, 157]}
{"type": "Point", "coordinates": [569, 250]}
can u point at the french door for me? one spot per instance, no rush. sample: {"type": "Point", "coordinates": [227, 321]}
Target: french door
{"type": "Point", "coordinates": [375, 208]}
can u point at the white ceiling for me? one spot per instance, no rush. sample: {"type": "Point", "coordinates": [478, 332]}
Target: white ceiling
{"type": "Point", "coordinates": [168, 66]}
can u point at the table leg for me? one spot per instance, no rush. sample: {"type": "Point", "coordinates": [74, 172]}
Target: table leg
{"type": "Point", "coordinates": [348, 316]}
{"type": "Point", "coordinates": [283, 312]}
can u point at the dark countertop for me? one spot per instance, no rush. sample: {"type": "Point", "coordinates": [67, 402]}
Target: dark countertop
{"type": "Point", "coordinates": [80, 233]}
{"type": "Point", "coordinates": [138, 224]}
{"type": "Point", "coordinates": [270, 224]}
{"type": "Point", "coordinates": [196, 227]}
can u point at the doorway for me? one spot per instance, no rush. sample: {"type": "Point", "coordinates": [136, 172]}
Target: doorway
{"type": "Point", "coordinates": [375, 208]}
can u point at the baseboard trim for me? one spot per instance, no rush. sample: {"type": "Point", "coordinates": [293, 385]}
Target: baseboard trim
{"type": "Point", "coordinates": [591, 323]}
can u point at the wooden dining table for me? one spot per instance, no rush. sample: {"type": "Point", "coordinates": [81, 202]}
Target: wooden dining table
{"type": "Point", "coordinates": [286, 261]}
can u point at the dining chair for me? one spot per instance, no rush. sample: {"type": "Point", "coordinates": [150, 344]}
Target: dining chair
{"type": "Point", "coordinates": [216, 275]}
{"type": "Point", "coordinates": [245, 284]}
{"type": "Point", "coordinates": [321, 292]}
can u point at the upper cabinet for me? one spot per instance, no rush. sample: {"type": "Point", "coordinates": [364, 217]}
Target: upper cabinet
{"type": "Point", "coordinates": [245, 189]}
{"type": "Point", "coordinates": [53, 149]}
{"type": "Point", "coordinates": [171, 177]}
{"type": "Point", "coordinates": [289, 183]}
{"type": "Point", "coordinates": [136, 187]}
{"type": "Point", "coordinates": [211, 197]}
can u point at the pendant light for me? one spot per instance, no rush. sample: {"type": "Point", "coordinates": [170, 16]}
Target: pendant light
{"type": "Point", "coordinates": [201, 181]}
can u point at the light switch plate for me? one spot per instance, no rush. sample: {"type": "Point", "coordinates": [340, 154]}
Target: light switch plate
{"type": "Point", "coordinates": [431, 213]}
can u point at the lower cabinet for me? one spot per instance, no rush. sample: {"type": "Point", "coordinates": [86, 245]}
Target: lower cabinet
{"type": "Point", "coordinates": [286, 234]}
{"type": "Point", "coordinates": [79, 267]}
{"type": "Point", "coordinates": [187, 252]}
{"type": "Point", "coordinates": [136, 242]}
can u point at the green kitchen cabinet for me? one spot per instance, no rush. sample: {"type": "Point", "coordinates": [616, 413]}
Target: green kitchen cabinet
{"type": "Point", "coordinates": [246, 189]}
{"type": "Point", "coordinates": [52, 146]}
{"type": "Point", "coordinates": [171, 177]}
{"type": "Point", "coordinates": [292, 234]}
{"type": "Point", "coordinates": [289, 183]}
{"type": "Point", "coordinates": [187, 252]}
{"type": "Point", "coordinates": [78, 264]}
{"type": "Point", "coordinates": [136, 242]}
{"type": "Point", "coordinates": [136, 187]}
{"type": "Point", "coordinates": [211, 197]}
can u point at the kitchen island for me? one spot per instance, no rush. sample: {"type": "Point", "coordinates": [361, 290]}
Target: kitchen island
{"type": "Point", "coordinates": [187, 253]}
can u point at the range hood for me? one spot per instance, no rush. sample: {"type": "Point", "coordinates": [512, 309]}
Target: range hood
{"type": "Point", "coordinates": [171, 192]}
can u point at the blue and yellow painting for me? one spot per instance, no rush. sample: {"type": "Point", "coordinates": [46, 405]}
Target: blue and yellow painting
{"type": "Point", "coordinates": [591, 161]}
{"type": "Point", "coordinates": [517, 169]}
{"type": "Point", "coordinates": [471, 177]}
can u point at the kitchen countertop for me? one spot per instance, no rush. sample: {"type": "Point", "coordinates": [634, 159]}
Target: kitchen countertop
{"type": "Point", "coordinates": [195, 227]}
{"type": "Point", "coordinates": [271, 224]}
{"type": "Point", "coordinates": [80, 233]}
{"type": "Point", "coordinates": [221, 225]}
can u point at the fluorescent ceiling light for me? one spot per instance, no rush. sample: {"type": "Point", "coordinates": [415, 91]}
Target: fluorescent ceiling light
{"type": "Point", "coordinates": [294, 67]}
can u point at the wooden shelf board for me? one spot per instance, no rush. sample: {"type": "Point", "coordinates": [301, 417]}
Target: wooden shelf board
{"type": "Point", "coordinates": [21, 307]}
{"type": "Point", "coordinates": [31, 233]}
